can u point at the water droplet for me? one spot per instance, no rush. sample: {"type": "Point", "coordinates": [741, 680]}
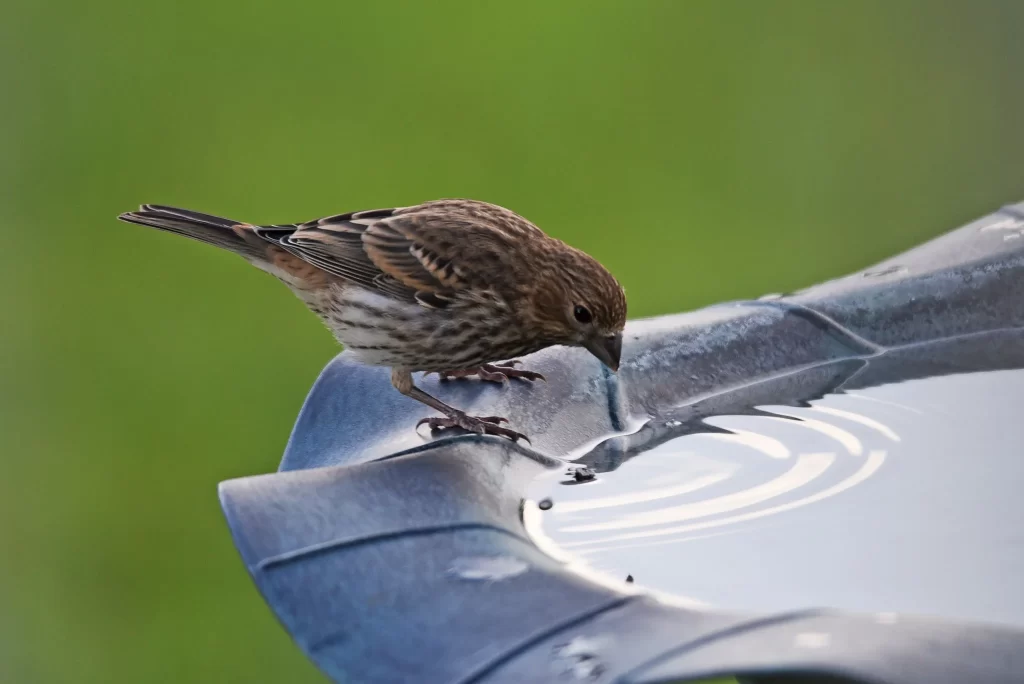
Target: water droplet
{"type": "Point", "coordinates": [488, 568]}
{"type": "Point", "coordinates": [583, 474]}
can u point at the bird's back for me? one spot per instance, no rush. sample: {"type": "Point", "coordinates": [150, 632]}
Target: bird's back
{"type": "Point", "coordinates": [434, 286]}
{"type": "Point", "coordinates": [429, 287]}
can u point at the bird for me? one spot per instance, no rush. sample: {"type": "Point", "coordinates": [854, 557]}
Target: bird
{"type": "Point", "coordinates": [451, 286]}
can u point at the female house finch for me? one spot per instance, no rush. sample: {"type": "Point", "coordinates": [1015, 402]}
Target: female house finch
{"type": "Point", "coordinates": [449, 286]}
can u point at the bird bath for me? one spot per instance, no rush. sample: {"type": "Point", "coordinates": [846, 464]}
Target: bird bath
{"type": "Point", "coordinates": [787, 479]}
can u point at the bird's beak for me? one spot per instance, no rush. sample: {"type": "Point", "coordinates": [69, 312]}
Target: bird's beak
{"type": "Point", "coordinates": [606, 349]}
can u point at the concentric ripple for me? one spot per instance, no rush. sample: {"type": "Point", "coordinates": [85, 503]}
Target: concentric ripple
{"type": "Point", "coordinates": [866, 500]}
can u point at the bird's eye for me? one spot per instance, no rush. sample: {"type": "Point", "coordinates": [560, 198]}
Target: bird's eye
{"type": "Point", "coordinates": [582, 314]}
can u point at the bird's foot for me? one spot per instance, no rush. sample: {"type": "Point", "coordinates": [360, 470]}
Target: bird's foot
{"type": "Point", "coordinates": [499, 373]}
{"type": "Point", "coordinates": [481, 425]}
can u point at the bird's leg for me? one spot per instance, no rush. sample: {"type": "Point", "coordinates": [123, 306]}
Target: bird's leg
{"type": "Point", "coordinates": [482, 425]}
{"type": "Point", "coordinates": [498, 372]}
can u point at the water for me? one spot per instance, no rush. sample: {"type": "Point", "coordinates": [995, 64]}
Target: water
{"type": "Point", "coordinates": [898, 498]}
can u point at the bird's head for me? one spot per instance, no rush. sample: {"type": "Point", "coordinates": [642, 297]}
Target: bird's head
{"type": "Point", "coordinates": [577, 302]}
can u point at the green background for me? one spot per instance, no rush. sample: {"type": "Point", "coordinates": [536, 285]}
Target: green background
{"type": "Point", "coordinates": [702, 150]}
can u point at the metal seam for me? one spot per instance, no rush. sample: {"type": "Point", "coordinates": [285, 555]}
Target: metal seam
{"type": "Point", "coordinates": [336, 544]}
{"type": "Point", "coordinates": [734, 630]}
{"type": "Point", "coordinates": [530, 641]}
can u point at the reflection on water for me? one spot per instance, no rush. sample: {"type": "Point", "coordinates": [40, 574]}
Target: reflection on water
{"type": "Point", "coordinates": [900, 497]}
{"type": "Point", "coordinates": [707, 480]}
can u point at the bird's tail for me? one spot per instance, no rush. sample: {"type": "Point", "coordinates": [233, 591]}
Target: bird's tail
{"type": "Point", "coordinates": [231, 235]}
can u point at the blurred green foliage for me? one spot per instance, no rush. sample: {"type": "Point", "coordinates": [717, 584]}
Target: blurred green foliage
{"type": "Point", "coordinates": [702, 150]}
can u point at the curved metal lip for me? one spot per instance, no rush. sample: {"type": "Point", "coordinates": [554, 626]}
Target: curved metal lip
{"type": "Point", "coordinates": [389, 558]}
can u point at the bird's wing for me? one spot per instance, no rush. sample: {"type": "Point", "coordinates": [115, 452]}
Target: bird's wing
{"type": "Point", "coordinates": [450, 246]}
{"type": "Point", "coordinates": [430, 253]}
{"type": "Point", "coordinates": [334, 244]}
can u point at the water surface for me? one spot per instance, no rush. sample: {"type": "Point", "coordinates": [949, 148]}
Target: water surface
{"type": "Point", "coordinates": [903, 497]}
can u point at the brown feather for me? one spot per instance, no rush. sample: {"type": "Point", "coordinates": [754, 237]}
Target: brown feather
{"type": "Point", "coordinates": [445, 285]}
{"type": "Point", "coordinates": [462, 253]}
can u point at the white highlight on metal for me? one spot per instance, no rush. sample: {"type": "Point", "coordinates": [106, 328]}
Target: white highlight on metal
{"type": "Point", "coordinates": [644, 495]}
{"type": "Point", "coordinates": [535, 530]}
{"type": "Point", "coordinates": [1010, 223]}
{"type": "Point", "coordinates": [488, 568]}
{"type": "Point", "coordinates": [886, 618]}
{"type": "Point", "coordinates": [871, 465]}
{"type": "Point", "coordinates": [768, 446]}
{"type": "Point", "coordinates": [858, 418]}
{"type": "Point", "coordinates": [812, 640]}
{"type": "Point", "coordinates": [806, 469]}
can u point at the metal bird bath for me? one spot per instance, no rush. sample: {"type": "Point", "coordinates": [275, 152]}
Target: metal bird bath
{"type": "Point", "coordinates": [789, 480]}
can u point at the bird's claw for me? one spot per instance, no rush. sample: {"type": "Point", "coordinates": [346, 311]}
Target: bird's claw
{"type": "Point", "coordinates": [481, 425]}
{"type": "Point", "coordinates": [499, 373]}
